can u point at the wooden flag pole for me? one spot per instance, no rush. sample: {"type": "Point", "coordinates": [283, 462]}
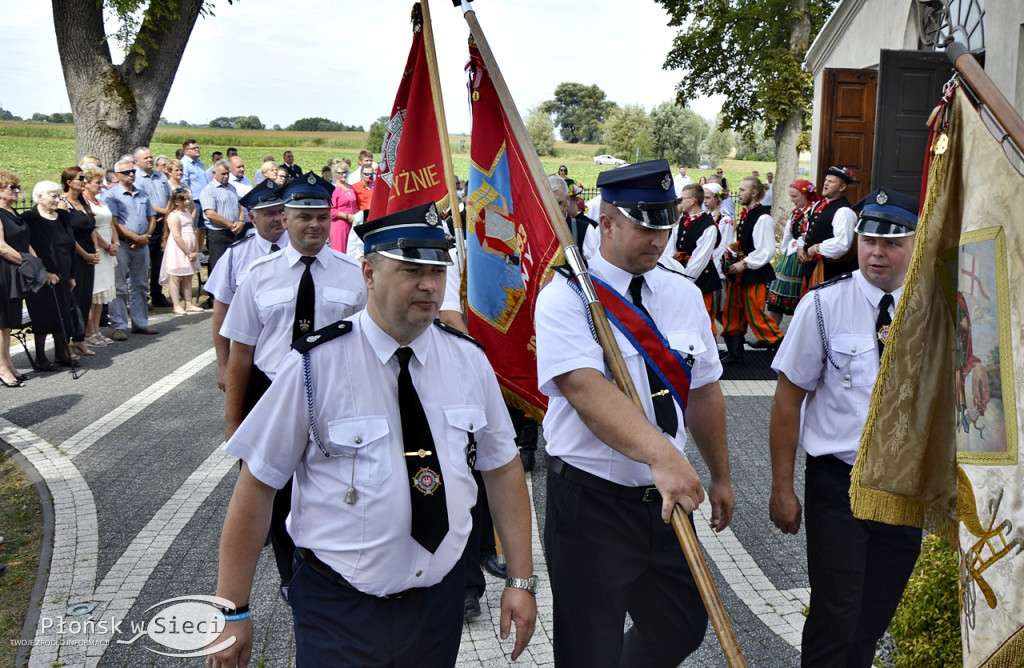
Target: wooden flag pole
{"type": "Point", "coordinates": [680, 522]}
{"type": "Point", "coordinates": [446, 149]}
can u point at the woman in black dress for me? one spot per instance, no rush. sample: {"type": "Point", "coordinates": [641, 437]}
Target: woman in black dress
{"type": "Point", "coordinates": [14, 240]}
{"type": "Point", "coordinates": [54, 243]}
{"type": "Point", "coordinates": [83, 227]}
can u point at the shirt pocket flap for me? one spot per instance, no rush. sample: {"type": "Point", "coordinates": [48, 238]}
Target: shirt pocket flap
{"type": "Point", "coordinates": [341, 296]}
{"type": "Point", "coordinates": [686, 342]}
{"type": "Point", "coordinates": [269, 298]}
{"type": "Point", "coordinates": [852, 344]}
{"type": "Point", "coordinates": [466, 418]}
{"type": "Point", "coordinates": [357, 432]}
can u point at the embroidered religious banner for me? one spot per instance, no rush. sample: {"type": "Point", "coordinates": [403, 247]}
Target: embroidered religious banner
{"type": "Point", "coordinates": [411, 172]}
{"type": "Point", "coordinates": [510, 244]}
{"type": "Point", "coordinates": [940, 448]}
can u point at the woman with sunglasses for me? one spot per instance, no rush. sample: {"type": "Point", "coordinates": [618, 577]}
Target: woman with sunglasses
{"type": "Point", "coordinates": [105, 239]}
{"type": "Point", "coordinates": [83, 227]}
{"type": "Point", "coordinates": [343, 207]}
{"type": "Point", "coordinates": [54, 243]}
{"type": "Point", "coordinates": [14, 240]}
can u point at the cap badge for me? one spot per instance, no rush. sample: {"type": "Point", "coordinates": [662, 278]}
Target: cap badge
{"type": "Point", "coordinates": [311, 180]}
{"type": "Point", "coordinates": [431, 217]}
{"type": "Point", "coordinates": [666, 183]}
{"type": "Point", "coordinates": [304, 326]}
{"type": "Point", "coordinates": [881, 198]}
{"type": "Point", "coordinates": [313, 338]}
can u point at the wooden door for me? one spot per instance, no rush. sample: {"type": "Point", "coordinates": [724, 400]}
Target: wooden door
{"type": "Point", "coordinates": [909, 86]}
{"type": "Point", "coordinates": [848, 126]}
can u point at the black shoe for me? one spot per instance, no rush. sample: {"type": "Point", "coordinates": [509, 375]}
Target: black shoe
{"type": "Point", "coordinates": [69, 363]}
{"type": "Point", "coordinates": [46, 365]}
{"type": "Point", "coordinates": [529, 459]}
{"type": "Point", "coordinates": [472, 610]}
{"type": "Point", "coordinates": [494, 566]}
{"type": "Point", "coordinates": [757, 344]}
{"type": "Point", "coordinates": [734, 346]}
{"type": "Point", "coordinates": [161, 303]}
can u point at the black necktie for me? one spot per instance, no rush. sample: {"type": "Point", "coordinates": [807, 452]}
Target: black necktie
{"type": "Point", "coordinates": [664, 404]}
{"type": "Point", "coordinates": [429, 510]}
{"type": "Point", "coordinates": [883, 321]}
{"type": "Point", "coordinates": [274, 248]}
{"type": "Point", "coordinates": [305, 300]}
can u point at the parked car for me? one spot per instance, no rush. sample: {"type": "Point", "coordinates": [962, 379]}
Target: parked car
{"type": "Point", "coordinates": [608, 160]}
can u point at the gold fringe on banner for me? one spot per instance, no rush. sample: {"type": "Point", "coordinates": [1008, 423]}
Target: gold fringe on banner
{"type": "Point", "coordinates": [896, 478]}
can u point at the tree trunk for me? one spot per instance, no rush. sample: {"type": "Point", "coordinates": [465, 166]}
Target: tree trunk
{"type": "Point", "coordinates": [786, 161]}
{"type": "Point", "coordinates": [787, 134]}
{"type": "Point", "coordinates": [117, 107]}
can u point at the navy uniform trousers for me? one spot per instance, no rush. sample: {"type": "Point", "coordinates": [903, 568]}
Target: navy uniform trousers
{"type": "Point", "coordinates": [608, 556]}
{"type": "Point", "coordinates": [858, 570]}
{"type": "Point", "coordinates": [336, 625]}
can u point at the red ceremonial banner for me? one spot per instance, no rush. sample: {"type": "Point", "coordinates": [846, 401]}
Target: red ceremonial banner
{"type": "Point", "coordinates": [510, 245]}
{"type": "Point", "coordinates": [410, 172]}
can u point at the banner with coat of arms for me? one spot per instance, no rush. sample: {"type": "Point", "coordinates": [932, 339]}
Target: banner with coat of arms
{"type": "Point", "coordinates": [510, 245]}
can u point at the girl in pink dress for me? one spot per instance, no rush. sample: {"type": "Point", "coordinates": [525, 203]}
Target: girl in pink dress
{"type": "Point", "coordinates": [181, 257]}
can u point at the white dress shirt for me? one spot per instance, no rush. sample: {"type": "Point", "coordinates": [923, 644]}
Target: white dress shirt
{"type": "Point", "coordinates": [234, 265]}
{"type": "Point", "coordinates": [354, 381]}
{"type": "Point", "coordinates": [262, 313]}
{"type": "Point", "coordinates": [834, 411]}
{"type": "Point", "coordinates": [564, 344]}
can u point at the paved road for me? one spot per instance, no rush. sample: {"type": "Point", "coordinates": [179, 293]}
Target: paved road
{"type": "Point", "coordinates": [130, 453]}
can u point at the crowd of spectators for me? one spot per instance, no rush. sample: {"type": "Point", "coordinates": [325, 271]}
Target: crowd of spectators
{"type": "Point", "coordinates": [100, 249]}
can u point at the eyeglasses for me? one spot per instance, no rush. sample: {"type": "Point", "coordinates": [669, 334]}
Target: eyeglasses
{"type": "Point", "coordinates": [81, 177]}
{"type": "Point", "coordinates": [127, 172]}
{"type": "Point", "coordinates": [341, 173]}
{"type": "Point", "coordinates": [367, 173]}
{"type": "Point", "coordinates": [14, 188]}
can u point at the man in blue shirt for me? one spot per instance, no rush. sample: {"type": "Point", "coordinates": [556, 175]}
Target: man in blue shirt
{"type": "Point", "coordinates": [194, 176]}
{"type": "Point", "coordinates": [158, 189]}
{"type": "Point", "coordinates": [135, 219]}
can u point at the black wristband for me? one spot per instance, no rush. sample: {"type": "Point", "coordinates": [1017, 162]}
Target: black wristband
{"type": "Point", "coordinates": [240, 610]}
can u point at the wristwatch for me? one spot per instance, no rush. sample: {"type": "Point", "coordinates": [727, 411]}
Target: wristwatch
{"type": "Point", "coordinates": [529, 584]}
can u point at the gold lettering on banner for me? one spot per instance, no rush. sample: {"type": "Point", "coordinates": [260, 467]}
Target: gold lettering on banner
{"type": "Point", "coordinates": [408, 182]}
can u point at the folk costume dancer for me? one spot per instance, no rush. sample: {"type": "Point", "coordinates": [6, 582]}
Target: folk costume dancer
{"type": "Point", "coordinates": [693, 242]}
{"type": "Point", "coordinates": [827, 249]}
{"type": "Point", "coordinates": [748, 269]}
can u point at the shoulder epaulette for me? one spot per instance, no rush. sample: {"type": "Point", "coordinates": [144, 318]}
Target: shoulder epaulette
{"type": "Point", "coordinates": [564, 270]}
{"type": "Point", "coordinates": [669, 269]}
{"type": "Point", "coordinates": [242, 240]}
{"type": "Point", "coordinates": [322, 335]}
{"type": "Point", "coordinates": [833, 280]}
{"type": "Point", "coordinates": [461, 335]}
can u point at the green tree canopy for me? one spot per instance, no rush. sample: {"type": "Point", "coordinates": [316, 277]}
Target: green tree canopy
{"type": "Point", "coordinates": [744, 49]}
{"type": "Point", "coordinates": [579, 111]}
{"type": "Point", "coordinates": [378, 129]}
{"type": "Point", "coordinates": [319, 124]}
{"type": "Point", "coordinates": [678, 133]}
{"type": "Point", "coordinates": [541, 131]}
{"type": "Point", "coordinates": [753, 143]}
{"type": "Point", "coordinates": [751, 51]}
{"type": "Point", "coordinates": [627, 133]}
{"type": "Point", "coordinates": [718, 145]}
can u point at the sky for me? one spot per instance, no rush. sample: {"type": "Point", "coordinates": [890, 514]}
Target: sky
{"type": "Point", "coordinates": [341, 59]}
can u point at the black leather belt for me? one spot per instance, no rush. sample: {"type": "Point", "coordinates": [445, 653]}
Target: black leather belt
{"type": "Point", "coordinates": [323, 569]}
{"type": "Point", "coordinates": [580, 477]}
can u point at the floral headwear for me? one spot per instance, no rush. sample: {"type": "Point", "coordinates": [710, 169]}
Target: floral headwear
{"type": "Point", "coordinates": [807, 188]}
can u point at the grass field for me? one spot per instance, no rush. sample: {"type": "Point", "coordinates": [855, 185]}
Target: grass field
{"type": "Point", "coordinates": [40, 152]}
